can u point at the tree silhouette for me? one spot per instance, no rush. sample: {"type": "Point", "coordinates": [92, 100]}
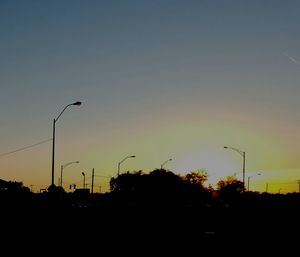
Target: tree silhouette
{"type": "Point", "coordinates": [230, 184]}
{"type": "Point", "coordinates": [197, 178]}
{"type": "Point", "coordinates": [230, 188]}
{"type": "Point", "coordinates": [13, 186]}
{"type": "Point", "coordinates": [126, 182]}
{"type": "Point", "coordinates": [161, 188]}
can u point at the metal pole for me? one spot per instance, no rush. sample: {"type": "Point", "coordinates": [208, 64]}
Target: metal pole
{"type": "Point", "coordinates": [93, 181]}
{"type": "Point", "coordinates": [243, 154]}
{"type": "Point", "coordinates": [53, 144]}
{"type": "Point", "coordinates": [162, 165]}
{"type": "Point", "coordinates": [53, 152]}
{"type": "Point", "coordinates": [61, 175]}
{"type": "Point", "coordinates": [244, 170]}
{"type": "Point", "coordinates": [132, 156]}
{"type": "Point", "coordinates": [248, 184]}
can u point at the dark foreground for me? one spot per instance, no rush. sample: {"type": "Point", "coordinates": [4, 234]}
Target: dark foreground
{"type": "Point", "coordinates": [91, 227]}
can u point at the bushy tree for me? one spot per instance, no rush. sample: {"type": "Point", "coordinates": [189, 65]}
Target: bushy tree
{"type": "Point", "coordinates": [197, 178]}
{"type": "Point", "coordinates": [161, 187]}
{"type": "Point", "coordinates": [230, 188]}
{"type": "Point", "coordinates": [126, 182]}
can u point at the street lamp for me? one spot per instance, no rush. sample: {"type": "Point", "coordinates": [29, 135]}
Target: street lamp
{"type": "Point", "coordinates": [243, 154]}
{"type": "Point", "coordinates": [119, 164]}
{"type": "Point", "coordinates": [83, 174]}
{"type": "Point", "coordinates": [61, 170]}
{"type": "Point", "coordinates": [53, 139]}
{"type": "Point", "coordinates": [249, 181]}
{"type": "Point", "coordinates": [162, 165]}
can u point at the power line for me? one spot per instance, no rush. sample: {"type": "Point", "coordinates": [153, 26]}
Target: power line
{"type": "Point", "coordinates": [26, 147]}
{"type": "Point", "coordinates": [102, 176]}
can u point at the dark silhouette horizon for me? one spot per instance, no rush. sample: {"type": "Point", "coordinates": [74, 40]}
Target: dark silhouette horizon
{"type": "Point", "coordinates": [161, 203]}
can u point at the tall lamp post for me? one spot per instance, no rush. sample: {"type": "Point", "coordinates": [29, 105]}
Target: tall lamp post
{"type": "Point", "coordinates": [119, 164]}
{"type": "Point", "coordinates": [243, 154]}
{"type": "Point", "coordinates": [53, 139]}
{"type": "Point", "coordinates": [162, 165]}
{"type": "Point", "coordinates": [61, 171]}
{"type": "Point", "coordinates": [249, 181]}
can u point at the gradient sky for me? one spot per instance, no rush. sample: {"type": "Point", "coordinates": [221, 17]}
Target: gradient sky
{"type": "Point", "coordinates": [158, 79]}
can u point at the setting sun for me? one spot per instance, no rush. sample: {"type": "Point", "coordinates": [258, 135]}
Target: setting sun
{"type": "Point", "coordinates": [216, 163]}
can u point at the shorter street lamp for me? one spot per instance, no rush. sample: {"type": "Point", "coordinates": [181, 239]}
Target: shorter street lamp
{"type": "Point", "coordinates": [119, 164]}
{"type": "Point", "coordinates": [249, 181]}
{"type": "Point", "coordinates": [162, 165]}
{"type": "Point", "coordinates": [61, 170]}
{"type": "Point", "coordinates": [83, 174]}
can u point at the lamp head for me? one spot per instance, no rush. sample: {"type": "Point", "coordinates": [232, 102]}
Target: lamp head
{"type": "Point", "coordinates": [132, 156]}
{"type": "Point", "coordinates": [82, 173]}
{"type": "Point", "coordinates": [76, 103]}
{"type": "Point", "coordinates": [225, 147]}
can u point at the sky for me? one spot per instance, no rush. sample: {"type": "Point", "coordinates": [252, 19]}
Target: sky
{"type": "Point", "coordinates": [157, 79]}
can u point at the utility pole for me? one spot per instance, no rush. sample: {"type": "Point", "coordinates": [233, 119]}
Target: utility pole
{"type": "Point", "coordinates": [93, 175]}
{"type": "Point", "coordinates": [244, 170]}
{"type": "Point", "coordinates": [249, 183]}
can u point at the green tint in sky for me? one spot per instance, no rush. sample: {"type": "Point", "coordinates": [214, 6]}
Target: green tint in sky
{"type": "Point", "coordinates": [158, 79]}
